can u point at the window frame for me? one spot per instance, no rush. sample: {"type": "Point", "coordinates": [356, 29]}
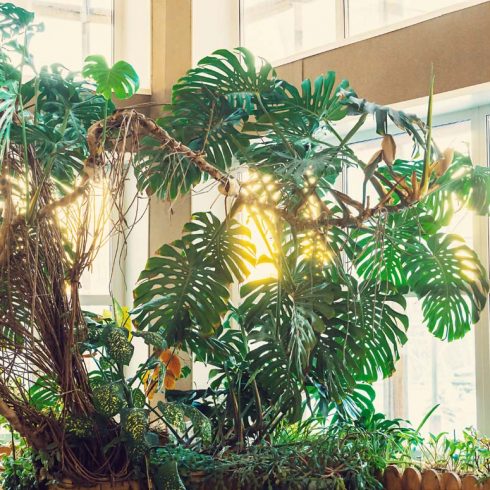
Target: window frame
{"type": "Point", "coordinates": [342, 28]}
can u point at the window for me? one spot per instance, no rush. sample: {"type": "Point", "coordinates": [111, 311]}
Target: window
{"type": "Point", "coordinates": [278, 29]}
{"type": "Point", "coordinates": [73, 29]}
{"type": "Point", "coordinates": [367, 15]}
{"type": "Point", "coordinates": [431, 371]}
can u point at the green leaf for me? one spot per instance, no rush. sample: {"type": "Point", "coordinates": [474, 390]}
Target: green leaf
{"type": "Point", "coordinates": [200, 423]}
{"type": "Point", "coordinates": [139, 398]}
{"type": "Point", "coordinates": [452, 283]}
{"type": "Point", "coordinates": [382, 246]}
{"type": "Point", "coordinates": [316, 102]}
{"type": "Point", "coordinates": [227, 243]}
{"type": "Point", "coordinates": [165, 173]}
{"type": "Point", "coordinates": [120, 79]}
{"type": "Point", "coordinates": [269, 364]}
{"type": "Point", "coordinates": [362, 340]}
{"type": "Point", "coordinates": [79, 426]}
{"type": "Point", "coordinates": [119, 347]}
{"type": "Point", "coordinates": [109, 399]}
{"type": "Point", "coordinates": [166, 476]}
{"type": "Point", "coordinates": [173, 415]}
{"type": "Point", "coordinates": [213, 101]}
{"type": "Point", "coordinates": [44, 393]}
{"type": "Point", "coordinates": [135, 425]}
{"type": "Point", "coordinates": [184, 285]}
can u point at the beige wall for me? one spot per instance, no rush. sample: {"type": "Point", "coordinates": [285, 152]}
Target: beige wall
{"type": "Point", "coordinates": [171, 58]}
{"type": "Point", "coordinates": [395, 67]}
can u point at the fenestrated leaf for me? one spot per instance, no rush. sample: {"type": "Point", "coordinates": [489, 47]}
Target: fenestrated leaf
{"type": "Point", "coordinates": [120, 79]}
{"type": "Point", "coordinates": [238, 75]}
{"type": "Point", "coordinates": [300, 302]}
{"type": "Point", "coordinates": [449, 278]}
{"type": "Point", "coordinates": [228, 243]}
{"type": "Point", "coordinates": [212, 125]}
{"type": "Point", "coordinates": [162, 172]}
{"type": "Point", "coordinates": [269, 364]}
{"type": "Point", "coordinates": [361, 342]}
{"type": "Point", "coordinates": [184, 284]}
{"type": "Point", "coordinates": [177, 287]}
{"type": "Point", "coordinates": [382, 246]}
{"type": "Point", "coordinates": [212, 102]}
{"type": "Point", "coordinates": [316, 102]}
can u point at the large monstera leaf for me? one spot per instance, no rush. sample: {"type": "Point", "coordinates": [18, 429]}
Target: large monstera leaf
{"type": "Point", "coordinates": [270, 364]}
{"type": "Point", "coordinates": [238, 75]}
{"type": "Point", "coordinates": [212, 125]}
{"type": "Point", "coordinates": [303, 111]}
{"type": "Point", "coordinates": [229, 242]}
{"type": "Point", "coordinates": [452, 283]}
{"type": "Point", "coordinates": [213, 101]}
{"type": "Point", "coordinates": [209, 108]}
{"type": "Point", "coordinates": [166, 174]}
{"type": "Point", "coordinates": [300, 303]}
{"type": "Point", "coordinates": [382, 246]}
{"type": "Point", "coordinates": [361, 342]}
{"type": "Point", "coordinates": [120, 79]}
{"type": "Point", "coordinates": [185, 284]}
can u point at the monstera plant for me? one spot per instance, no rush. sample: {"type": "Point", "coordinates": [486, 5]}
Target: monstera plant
{"type": "Point", "coordinates": [307, 338]}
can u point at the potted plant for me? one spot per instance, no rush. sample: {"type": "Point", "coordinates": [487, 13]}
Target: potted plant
{"type": "Point", "coordinates": [307, 340]}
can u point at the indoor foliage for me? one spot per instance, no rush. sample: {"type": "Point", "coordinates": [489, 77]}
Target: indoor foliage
{"type": "Point", "coordinates": [307, 339]}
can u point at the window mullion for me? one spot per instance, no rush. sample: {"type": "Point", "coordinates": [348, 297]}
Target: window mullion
{"type": "Point", "coordinates": [341, 9]}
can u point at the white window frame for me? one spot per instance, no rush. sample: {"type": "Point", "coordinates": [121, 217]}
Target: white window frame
{"type": "Point", "coordinates": [119, 17]}
{"type": "Point", "coordinates": [342, 28]}
{"type": "Point", "coordinates": [395, 387]}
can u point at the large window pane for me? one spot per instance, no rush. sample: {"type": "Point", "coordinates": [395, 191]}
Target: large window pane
{"type": "Point", "coordinates": [437, 372]}
{"type": "Point", "coordinates": [276, 29]}
{"type": "Point", "coordinates": [431, 371]}
{"type": "Point", "coordinates": [367, 15]}
{"type": "Point", "coordinates": [73, 30]}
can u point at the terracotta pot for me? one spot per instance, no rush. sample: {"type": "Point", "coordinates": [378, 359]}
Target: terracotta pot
{"type": "Point", "coordinates": [412, 479]}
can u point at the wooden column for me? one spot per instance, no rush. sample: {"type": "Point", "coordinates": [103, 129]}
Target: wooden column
{"type": "Point", "coordinates": [171, 58]}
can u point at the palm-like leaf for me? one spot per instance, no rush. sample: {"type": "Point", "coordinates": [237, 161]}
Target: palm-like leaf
{"type": "Point", "coordinates": [382, 247]}
{"type": "Point", "coordinates": [362, 341]}
{"type": "Point", "coordinates": [166, 174]}
{"type": "Point", "coordinates": [184, 285]}
{"type": "Point", "coordinates": [228, 243]}
{"type": "Point", "coordinates": [300, 303]}
{"type": "Point", "coordinates": [449, 278]}
{"type": "Point", "coordinates": [121, 79]}
{"type": "Point", "coordinates": [269, 363]}
{"type": "Point", "coordinates": [211, 103]}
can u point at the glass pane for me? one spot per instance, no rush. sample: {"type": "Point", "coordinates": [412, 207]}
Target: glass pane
{"type": "Point", "coordinates": [66, 38]}
{"type": "Point", "coordinates": [48, 49]}
{"type": "Point", "coordinates": [100, 39]}
{"type": "Point", "coordinates": [438, 372]}
{"type": "Point", "coordinates": [276, 29]}
{"type": "Point", "coordinates": [431, 371]}
{"type": "Point", "coordinates": [368, 15]}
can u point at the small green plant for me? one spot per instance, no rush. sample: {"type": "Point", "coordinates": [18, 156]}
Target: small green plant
{"type": "Point", "coordinates": [19, 472]}
{"type": "Point", "coordinates": [468, 454]}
